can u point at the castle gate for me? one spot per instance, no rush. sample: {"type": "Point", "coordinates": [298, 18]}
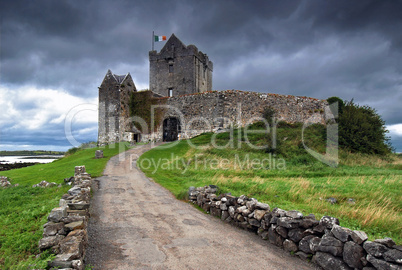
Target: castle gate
{"type": "Point", "coordinates": [171, 129]}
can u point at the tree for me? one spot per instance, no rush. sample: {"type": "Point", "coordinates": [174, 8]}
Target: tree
{"type": "Point", "coordinates": [361, 129]}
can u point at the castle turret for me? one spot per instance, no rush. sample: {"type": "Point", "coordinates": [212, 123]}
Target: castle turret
{"type": "Point", "coordinates": [179, 69]}
{"type": "Point", "coordinates": [114, 96]}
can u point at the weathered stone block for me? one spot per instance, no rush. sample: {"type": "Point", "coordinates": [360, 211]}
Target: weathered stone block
{"type": "Point", "coordinates": [380, 264]}
{"type": "Point", "coordinates": [341, 233]}
{"type": "Point", "coordinates": [251, 204]}
{"type": "Point", "coordinates": [254, 222]}
{"type": "Point", "coordinates": [78, 264]}
{"type": "Point", "coordinates": [386, 242]}
{"type": "Point", "coordinates": [294, 214]}
{"type": "Point", "coordinates": [329, 262]}
{"type": "Point", "coordinates": [290, 246]}
{"type": "Point", "coordinates": [274, 237]}
{"type": "Point", "coordinates": [74, 191]}
{"type": "Point", "coordinates": [288, 222]}
{"type": "Point", "coordinates": [216, 212]}
{"type": "Point", "coordinates": [262, 206]}
{"type": "Point", "coordinates": [328, 221]}
{"type": "Point", "coordinates": [79, 170]}
{"type": "Point", "coordinates": [206, 207]}
{"type": "Point", "coordinates": [98, 154]}
{"type": "Point", "coordinates": [307, 223]}
{"type": "Point", "coordinates": [259, 214]}
{"type": "Point", "coordinates": [374, 248]}
{"type": "Point", "coordinates": [295, 235]}
{"type": "Point", "coordinates": [71, 247]}
{"type": "Point", "coordinates": [303, 256]}
{"type": "Point", "coordinates": [231, 211]}
{"type": "Point", "coordinates": [359, 237]}
{"type": "Point", "coordinates": [393, 255]}
{"type": "Point", "coordinates": [57, 213]}
{"type": "Point", "coordinates": [70, 219]}
{"type": "Point", "coordinates": [307, 243]}
{"type": "Point", "coordinates": [74, 225]}
{"type": "Point", "coordinates": [225, 215]}
{"type": "Point", "coordinates": [51, 229]}
{"type": "Point", "coordinates": [60, 264]}
{"type": "Point", "coordinates": [50, 241]}
{"type": "Point", "coordinates": [241, 209]}
{"type": "Point", "coordinates": [331, 245]}
{"type": "Point", "coordinates": [282, 231]}
{"type": "Point", "coordinates": [77, 212]}
{"type": "Point", "coordinates": [78, 206]}
{"type": "Point", "coordinates": [352, 255]}
{"type": "Point", "coordinates": [278, 212]}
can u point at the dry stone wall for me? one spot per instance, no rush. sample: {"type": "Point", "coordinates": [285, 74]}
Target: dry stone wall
{"type": "Point", "coordinates": [323, 241]}
{"type": "Point", "coordinates": [65, 233]}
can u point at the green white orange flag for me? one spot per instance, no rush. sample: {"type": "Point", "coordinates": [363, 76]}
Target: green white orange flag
{"type": "Point", "coordinates": [160, 38]}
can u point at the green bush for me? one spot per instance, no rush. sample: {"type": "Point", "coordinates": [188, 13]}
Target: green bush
{"type": "Point", "coordinates": [268, 114]}
{"type": "Point", "coordinates": [361, 129]}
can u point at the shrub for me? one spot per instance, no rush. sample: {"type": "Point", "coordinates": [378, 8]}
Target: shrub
{"type": "Point", "coordinates": [361, 129]}
{"type": "Point", "coordinates": [268, 114]}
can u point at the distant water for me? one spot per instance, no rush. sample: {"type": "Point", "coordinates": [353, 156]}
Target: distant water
{"type": "Point", "coordinates": [28, 159]}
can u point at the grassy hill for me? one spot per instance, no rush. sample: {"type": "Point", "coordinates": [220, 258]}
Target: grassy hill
{"type": "Point", "coordinates": [24, 210]}
{"type": "Point", "coordinates": [367, 188]}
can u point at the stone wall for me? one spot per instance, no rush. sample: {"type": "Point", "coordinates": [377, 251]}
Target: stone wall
{"type": "Point", "coordinates": [65, 233]}
{"type": "Point", "coordinates": [214, 110]}
{"type": "Point", "coordinates": [323, 241]}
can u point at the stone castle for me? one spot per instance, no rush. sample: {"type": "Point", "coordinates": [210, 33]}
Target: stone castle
{"type": "Point", "coordinates": [181, 82]}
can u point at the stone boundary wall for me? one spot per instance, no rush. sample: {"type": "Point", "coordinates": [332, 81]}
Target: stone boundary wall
{"type": "Point", "coordinates": [323, 241]}
{"type": "Point", "coordinates": [65, 233]}
{"type": "Point", "coordinates": [222, 109]}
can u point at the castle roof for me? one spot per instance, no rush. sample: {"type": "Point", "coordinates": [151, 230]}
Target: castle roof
{"type": "Point", "coordinates": [173, 40]}
{"type": "Point", "coordinates": [118, 78]}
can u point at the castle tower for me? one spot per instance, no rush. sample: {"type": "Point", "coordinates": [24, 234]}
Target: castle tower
{"type": "Point", "coordinates": [179, 69]}
{"type": "Point", "coordinates": [114, 97]}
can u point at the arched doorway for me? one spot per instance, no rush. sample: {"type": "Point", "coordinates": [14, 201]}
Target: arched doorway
{"type": "Point", "coordinates": [171, 129]}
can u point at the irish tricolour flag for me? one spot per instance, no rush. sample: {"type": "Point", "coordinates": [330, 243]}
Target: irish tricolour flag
{"type": "Point", "coordinates": [160, 38]}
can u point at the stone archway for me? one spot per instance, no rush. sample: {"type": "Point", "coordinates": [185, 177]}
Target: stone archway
{"type": "Point", "coordinates": [171, 129]}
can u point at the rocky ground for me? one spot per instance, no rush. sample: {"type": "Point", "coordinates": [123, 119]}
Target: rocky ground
{"type": "Point", "coordinates": [136, 224]}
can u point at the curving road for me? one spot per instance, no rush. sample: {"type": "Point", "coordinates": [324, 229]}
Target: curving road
{"type": "Point", "coordinates": [137, 224]}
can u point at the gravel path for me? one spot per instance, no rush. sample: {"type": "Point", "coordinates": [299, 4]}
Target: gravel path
{"type": "Point", "coordinates": [137, 224]}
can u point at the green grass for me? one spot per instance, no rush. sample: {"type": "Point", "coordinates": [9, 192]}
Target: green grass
{"type": "Point", "coordinates": [24, 210]}
{"type": "Point", "coordinates": [296, 181]}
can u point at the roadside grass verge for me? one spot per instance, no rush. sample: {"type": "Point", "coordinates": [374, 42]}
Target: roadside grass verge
{"type": "Point", "coordinates": [373, 183]}
{"type": "Point", "coordinates": [24, 210]}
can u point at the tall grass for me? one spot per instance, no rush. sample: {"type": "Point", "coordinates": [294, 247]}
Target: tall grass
{"type": "Point", "coordinates": [373, 182]}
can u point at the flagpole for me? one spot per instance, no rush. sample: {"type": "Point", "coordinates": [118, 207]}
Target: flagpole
{"type": "Point", "coordinates": [153, 39]}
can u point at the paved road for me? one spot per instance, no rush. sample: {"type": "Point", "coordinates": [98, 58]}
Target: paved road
{"type": "Point", "coordinates": [137, 224]}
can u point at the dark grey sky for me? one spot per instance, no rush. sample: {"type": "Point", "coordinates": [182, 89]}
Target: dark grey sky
{"type": "Point", "coordinates": [54, 55]}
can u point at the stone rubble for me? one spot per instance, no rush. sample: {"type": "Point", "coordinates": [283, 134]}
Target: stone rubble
{"type": "Point", "coordinates": [45, 184]}
{"type": "Point", "coordinates": [98, 154]}
{"type": "Point", "coordinates": [323, 241]}
{"type": "Point", "coordinates": [65, 233]}
{"type": "Point", "coordinates": [4, 182]}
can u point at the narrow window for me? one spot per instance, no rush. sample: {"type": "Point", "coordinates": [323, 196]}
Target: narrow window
{"type": "Point", "coordinates": [170, 92]}
{"type": "Point", "coordinates": [170, 68]}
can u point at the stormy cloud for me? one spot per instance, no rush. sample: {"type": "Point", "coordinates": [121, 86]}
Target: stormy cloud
{"type": "Point", "coordinates": [51, 50]}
